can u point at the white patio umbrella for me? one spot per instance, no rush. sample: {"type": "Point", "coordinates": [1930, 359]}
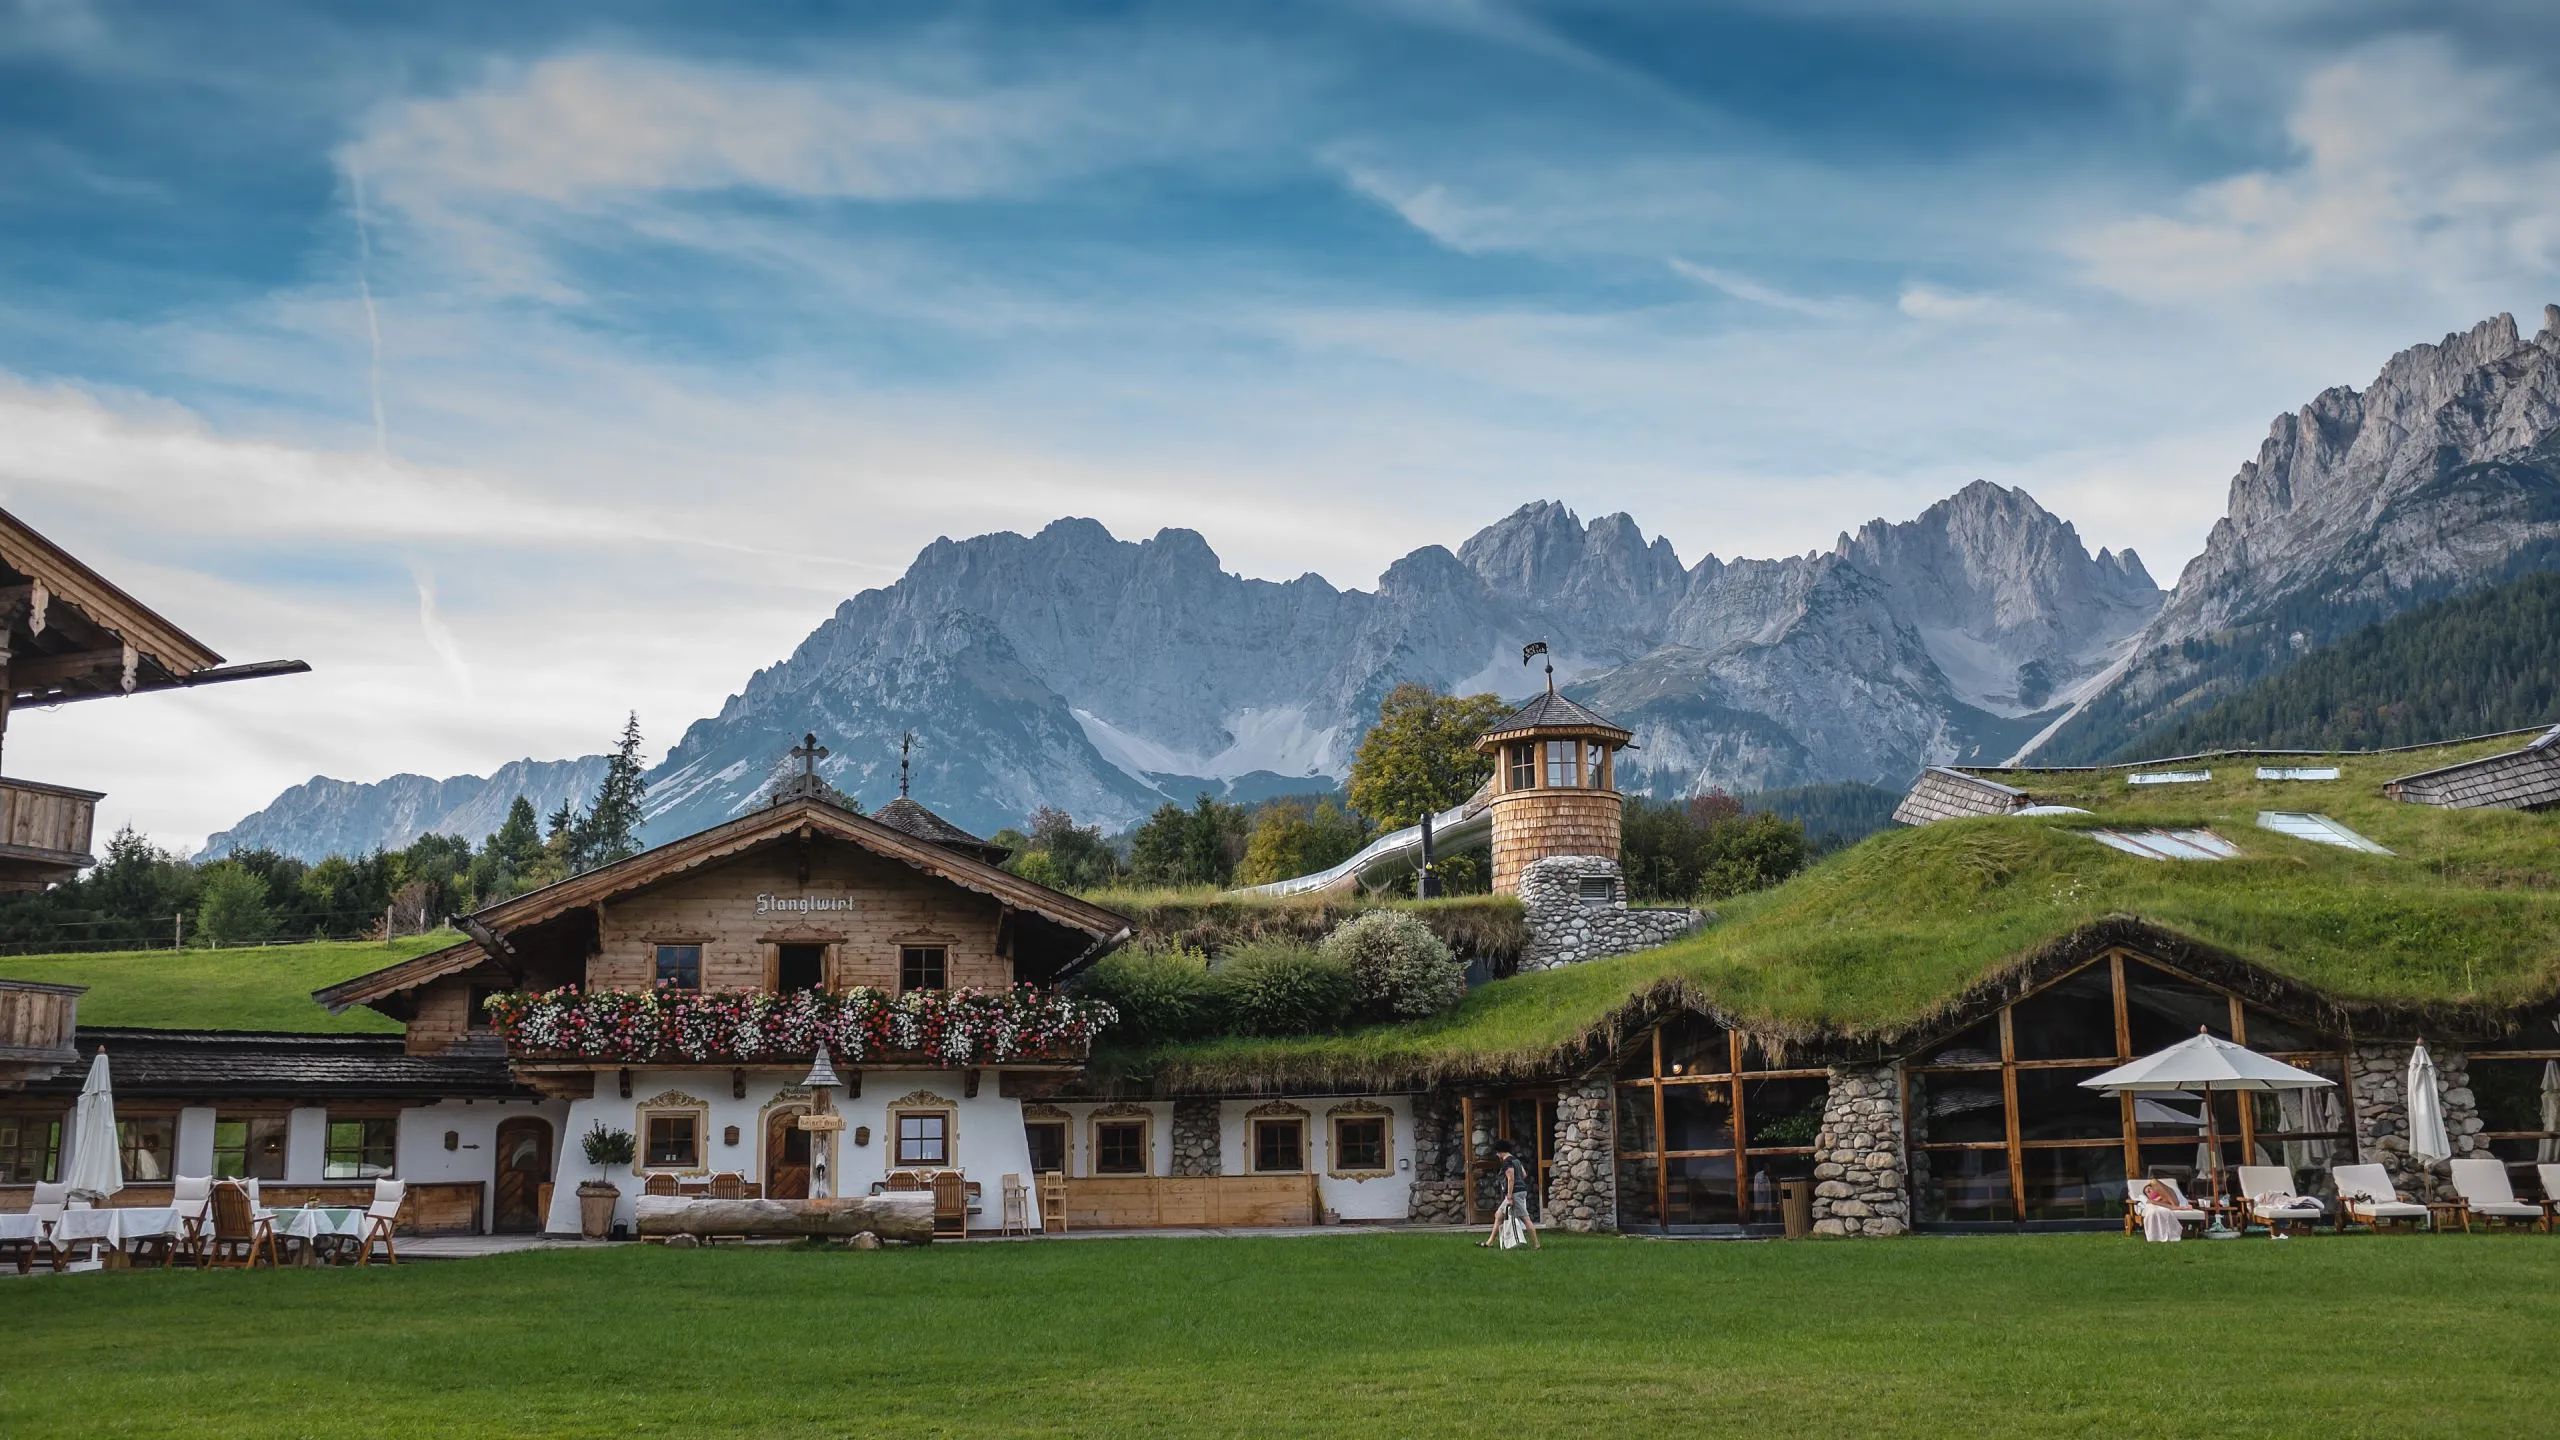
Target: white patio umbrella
{"type": "Point", "coordinates": [2427, 1141]}
{"type": "Point", "coordinates": [97, 1162]}
{"type": "Point", "coordinates": [2548, 1151]}
{"type": "Point", "coordinates": [2204, 1065]}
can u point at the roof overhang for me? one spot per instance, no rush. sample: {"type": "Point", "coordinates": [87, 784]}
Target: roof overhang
{"type": "Point", "coordinates": [810, 818]}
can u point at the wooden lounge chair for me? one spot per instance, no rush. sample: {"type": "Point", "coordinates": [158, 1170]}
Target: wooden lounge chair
{"type": "Point", "coordinates": [2135, 1205]}
{"type": "Point", "coordinates": [240, 1234]}
{"type": "Point", "coordinates": [2301, 1213]}
{"type": "Point", "coordinates": [2366, 1197]}
{"type": "Point", "coordinates": [2485, 1191]}
{"type": "Point", "coordinates": [659, 1185]}
{"type": "Point", "coordinates": [950, 1205]}
{"type": "Point", "coordinates": [1053, 1202]}
{"type": "Point", "coordinates": [379, 1219]}
{"type": "Point", "coordinates": [906, 1180]}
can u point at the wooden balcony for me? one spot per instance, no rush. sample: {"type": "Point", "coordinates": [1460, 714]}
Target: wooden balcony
{"type": "Point", "coordinates": [44, 833]}
{"type": "Point", "coordinates": [36, 1024]}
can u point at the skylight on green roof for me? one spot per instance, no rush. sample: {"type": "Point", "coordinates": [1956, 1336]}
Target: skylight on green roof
{"type": "Point", "coordinates": [2318, 829]}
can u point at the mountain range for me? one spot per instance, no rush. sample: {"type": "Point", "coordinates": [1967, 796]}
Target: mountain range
{"type": "Point", "coordinates": [1104, 676]}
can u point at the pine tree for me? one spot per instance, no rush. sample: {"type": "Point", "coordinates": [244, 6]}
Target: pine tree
{"type": "Point", "coordinates": [610, 830]}
{"type": "Point", "coordinates": [517, 842]}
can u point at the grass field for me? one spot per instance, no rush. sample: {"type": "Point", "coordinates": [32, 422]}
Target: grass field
{"type": "Point", "coordinates": [1385, 1335]}
{"type": "Point", "coordinates": [261, 988]}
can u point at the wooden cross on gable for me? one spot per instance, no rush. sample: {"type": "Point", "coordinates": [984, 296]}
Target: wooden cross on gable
{"type": "Point", "coordinates": [809, 752]}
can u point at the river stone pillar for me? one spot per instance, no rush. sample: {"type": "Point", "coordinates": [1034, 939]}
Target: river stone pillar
{"type": "Point", "coordinates": [1860, 1185]}
{"type": "Point", "coordinates": [1582, 1187]}
{"type": "Point", "coordinates": [2382, 1116]}
{"type": "Point", "coordinates": [1439, 1192]}
{"type": "Point", "coordinates": [1195, 1138]}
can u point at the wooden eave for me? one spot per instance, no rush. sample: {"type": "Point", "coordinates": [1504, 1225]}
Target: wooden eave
{"type": "Point", "coordinates": [720, 842]}
{"type": "Point", "coordinates": [106, 604]}
{"type": "Point", "coordinates": [1611, 735]}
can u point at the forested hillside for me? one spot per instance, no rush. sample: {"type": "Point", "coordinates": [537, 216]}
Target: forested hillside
{"type": "Point", "coordinates": [2471, 665]}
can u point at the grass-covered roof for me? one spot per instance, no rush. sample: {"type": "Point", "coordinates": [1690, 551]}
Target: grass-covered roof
{"type": "Point", "coordinates": [265, 988]}
{"type": "Point", "coordinates": [1883, 939]}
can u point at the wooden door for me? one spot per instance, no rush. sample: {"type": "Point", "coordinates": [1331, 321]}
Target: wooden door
{"type": "Point", "coordinates": [786, 1156]}
{"type": "Point", "coordinates": [524, 1167]}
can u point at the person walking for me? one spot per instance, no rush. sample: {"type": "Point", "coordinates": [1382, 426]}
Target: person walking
{"type": "Point", "coordinates": [1511, 1220]}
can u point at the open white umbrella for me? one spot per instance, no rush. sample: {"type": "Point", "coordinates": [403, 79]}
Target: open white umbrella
{"type": "Point", "coordinates": [2204, 1065]}
{"type": "Point", "coordinates": [97, 1162]}
{"type": "Point", "coordinates": [2427, 1141]}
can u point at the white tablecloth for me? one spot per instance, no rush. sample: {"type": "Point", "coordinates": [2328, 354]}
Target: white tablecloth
{"type": "Point", "coordinates": [318, 1222]}
{"type": "Point", "coordinates": [115, 1226]}
{"type": "Point", "coordinates": [18, 1227]}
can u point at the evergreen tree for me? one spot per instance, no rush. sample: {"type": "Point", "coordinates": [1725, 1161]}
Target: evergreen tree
{"type": "Point", "coordinates": [517, 842]}
{"type": "Point", "coordinates": [234, 908]}
{"type": "Point", "coordinates": [610, 830]}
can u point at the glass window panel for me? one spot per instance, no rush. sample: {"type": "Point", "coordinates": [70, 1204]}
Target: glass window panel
{"type": "Point", "coordinates": [673, 1141]}
{"type": "Point", "coordinates": [2270, 1035]}
{"type": "Point", "coordinates": [1698, 1117]}
{"type": "Point", "coordinates": [1760, 1197]}
{"type": "Point", "coordinates": [2162, 1010]}
{"type": "Point", "coordinates": [679, 967]}
{"type": "Point", "coordinates": [924, 1138]}
{"type": "Point", "coordinates": [1695, 1046]}
{"type": "Point", "coordinates": [2524, 1156]}
{"type": "Point", "coordinates": [2079, 1183]}
{"type": "Point", "coordinates": [1973, 1047]}
{"type": "Point", "coordinates": [1961, 1186]}
{"type": "Point", "coordinates": [1635, 1062]}
{"type": "Point", "coordinates": [2279, 1113]}
{"type": "Point", "coordinates": [248, 1147]}
{"type": "Point", "coordinates": [2052, 1106]}
{"type": "Point", "coordinates": [1279, 1146]}
{"type": "Point", "coordinates": [1781, 1113]}
{"type": "Point", "coordinates": [146, 1143]}
{"type": "Point", "coordinates": [921, 967]}
{"type": "Point", "coordinates": [2072, 1019]}
{"type": "Point", "coordinates": [1048, 1140]}
{"type": "Point", "coordinates": [1120, 1148]}
{"type": "Point", "coordinates": [1967, 1105]}
{"type": "Point", "coordinates": [2186, 1164]}
{"type": "Point", "coordinates": [30, 1149]}
{"type": "Point", "coordinates": [2517, 1094]}
{"type": "Point", "coordinates": [1564, 764]}
{"type": "Point", "coordinates": [1635, 1119]}
{"type": "Point", "coordinates": [1360, 1143]}
{"type": "Point", "coordinates": [1593, 757]}
{"type": "Point", "coordinates": [360, 1149]}
{"type": "Point", "coordinates": [1637, 1196]}
{"type": "Point", "coordinates": [1524, 766]}
{"type": "Point", "coordinates": [1702, 1191]}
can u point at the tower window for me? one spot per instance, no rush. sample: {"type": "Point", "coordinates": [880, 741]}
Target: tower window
{"type": "Point", "coordinates": [1597, 755]}
{"type": "Point", "coordinates": [1524, 766]}
{"type": "Point", "coordinates": [1564, 764]}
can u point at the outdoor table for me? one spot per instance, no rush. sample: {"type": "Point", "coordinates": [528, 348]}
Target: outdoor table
{"type": "Point", "coordinates": [19, 1227]}
{"type": "Point", "coordinates": [314, 1223]}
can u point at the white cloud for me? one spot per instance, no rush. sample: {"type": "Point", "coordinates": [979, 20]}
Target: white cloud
{"type": "Point", "coordinates": [1936, 305]}
{"type": "Point", "coordinates": [1759, 292]}
{"type": "Point", "coordinates": [2415, 167]}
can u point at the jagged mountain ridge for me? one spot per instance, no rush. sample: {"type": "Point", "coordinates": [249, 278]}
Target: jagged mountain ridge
{"type": "Point", "coordinates": [2440, 477]}
{"type": "Point", "coordinates": [323, 817]}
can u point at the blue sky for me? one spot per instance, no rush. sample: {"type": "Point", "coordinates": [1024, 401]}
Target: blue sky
{"type": "Point", "coordinates": [518, 364]}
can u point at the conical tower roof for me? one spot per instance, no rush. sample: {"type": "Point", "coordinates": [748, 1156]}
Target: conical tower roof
{"type": "Point", "coordinates": [1553, 712]}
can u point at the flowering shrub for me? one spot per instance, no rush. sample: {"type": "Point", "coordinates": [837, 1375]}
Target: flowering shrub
{"type": "Point", "coordinates": [938, 1027]}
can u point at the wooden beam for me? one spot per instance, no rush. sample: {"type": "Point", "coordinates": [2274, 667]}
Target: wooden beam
{"type": "Point", "coordinates": [2009, 1099]}
{"type": "Point", "coordinates": [622, 1081]}
{"type": "Point", "coordinates": [969, 1084]}
{"type": "Point", "coordinates": [44, 672]}
{"type": "Point", "coordinates": [738, 1084]}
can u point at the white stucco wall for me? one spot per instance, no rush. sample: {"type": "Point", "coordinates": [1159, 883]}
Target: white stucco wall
{"type": "Point", "coordinates": [1381, 1197]}
{"type": "Point", "coordinates": [421, 1155]}
{"type": "Point", "coordinates": [1080, 1136]}
{"type": "Point", "coordinates": [986, 1134]}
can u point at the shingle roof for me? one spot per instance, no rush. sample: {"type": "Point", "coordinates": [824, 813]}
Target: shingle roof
{"type": "Point", "coordinates": [1946, 794]}
{"type": "Point", "coordinates": [2526, 779]}
{"type": "Point", "coordinates": [149, 1063]}
{"type": "Point", "coordinates": [1551, 711]}
{"type": "Point", "coordinates": [908, 817]}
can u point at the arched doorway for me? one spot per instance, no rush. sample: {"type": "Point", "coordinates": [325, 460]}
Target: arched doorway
{"type": "Point", "coordinates": [786, 1154]}
{"type": "Point", "coordinates": [524, 1170]}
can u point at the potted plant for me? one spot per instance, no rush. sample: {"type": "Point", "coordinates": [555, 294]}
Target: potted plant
{"type": "Point", "coordinates": [605, 1149]}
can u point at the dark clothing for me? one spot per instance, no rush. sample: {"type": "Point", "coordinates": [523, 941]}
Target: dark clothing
{"type": "Point", "coordinates": [1515, 1177]}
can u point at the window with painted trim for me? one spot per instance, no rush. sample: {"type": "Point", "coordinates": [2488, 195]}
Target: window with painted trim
{"type": "Point", "coordinates": [361, 1147]}
{"type": "Point", "coordinates": [30, 1148]}
{"type": "Point", "coordinates": [678, 967]}
{"type": "Point", "coordinates": [1048, 1141]}
{"type": "Point", "coordinates": [148, 1145]}
{"type": "Point", "coordinates": [1120, 1147]}
{"type": "Point", "coordinates": [248, 1147]}
{"type": "Point", "coordinates": [673, 1140]}
{"type": "Point", "coordinates": [923, 1137]}
{"type": "Point", "coordinates": [923, 967]}
{"type": "Point", "coordinates": [1360, 1145]}
{"type": "Point", "coordinates": [1276, 1145]}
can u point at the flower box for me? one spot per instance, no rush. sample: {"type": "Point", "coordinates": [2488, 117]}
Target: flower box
{"type": "Point", "coordinates": [927, 1028]}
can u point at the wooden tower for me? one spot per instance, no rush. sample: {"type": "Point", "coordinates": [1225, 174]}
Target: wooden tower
{"type": "Point", "coordinates": [1555, 785]}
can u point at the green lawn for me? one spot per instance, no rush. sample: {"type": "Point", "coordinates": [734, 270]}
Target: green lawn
{"type": "Point", "coordinates": [1389, 1335]}
{"type": "Point", "coordinates": [260, 988]}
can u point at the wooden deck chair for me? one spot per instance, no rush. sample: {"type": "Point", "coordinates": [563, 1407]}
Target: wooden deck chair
{"type": "Point", "coordinates": [1016, 1217]}
{"type": "Point", "coordinates": [2550, 1177]}
{"type": "Point", "coordinates": [2301, 1211]}
{"type": "Point", "coordinates": [728, 1185]}
{"type": "Point", "coordinates": [2484, 1189]}
{"type": "Point", "coordinates": [1053, 1202]}
{"type": "Point", "coordinates": [2135, 1205]}
{"type": "Point", "coordinates": [240, 1234]}
{"type": "Point", "coordinates": [950, 1205]}
{"type": "Point", "coordinates": [2366, 1197]}
{"type": "Point", "coordinates": [660, 1184]}
{"type": "Point", "coordinates": [379, 1219]}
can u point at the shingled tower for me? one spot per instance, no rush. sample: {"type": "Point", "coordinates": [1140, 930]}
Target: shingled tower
{"type": "Point", "coordinates": [1555, 786]}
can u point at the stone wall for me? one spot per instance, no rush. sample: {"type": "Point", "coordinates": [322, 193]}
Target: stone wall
{"type": "Point", "coordinates": [1859, 1179]}
{"type": "Point", "coordinates": [1582, 1184]}
{"type": "Point", "coordinates": [1195, 1138]}
{"type": "Point", "coordinates": [1564, 930]}
{"type": "Point", "coordinates": [1439, 1192]}
{"type": "Point", "coordinates": [2382, 1116]}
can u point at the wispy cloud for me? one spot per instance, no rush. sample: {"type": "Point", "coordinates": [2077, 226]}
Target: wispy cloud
{"type": "Point", "coordinates": [439, 636]}
{"type": "Point", "coordinates": [1759, 292]}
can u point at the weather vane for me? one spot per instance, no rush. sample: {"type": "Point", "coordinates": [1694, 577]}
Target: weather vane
{"type": "Point", "coordinates": [906, 743]}
{"type": "Point", "coordinates": [1532, 651]}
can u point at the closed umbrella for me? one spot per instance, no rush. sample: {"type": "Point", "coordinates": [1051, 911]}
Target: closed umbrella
{"type": "Point", "coordinates": [97, 1163]}
{"type": "Point", "coordinates": [2204, 1065]}
{"type": "Point", "coordinates": [2548, 1151]}
{"type": "Point", "coordinates": [2427, 1141]}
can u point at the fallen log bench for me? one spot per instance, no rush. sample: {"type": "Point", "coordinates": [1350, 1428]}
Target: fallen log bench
{"type": "Point", "coordinates": [898, 1215]}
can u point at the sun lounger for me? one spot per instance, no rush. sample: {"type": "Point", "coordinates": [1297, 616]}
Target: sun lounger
{"type": "Point", "coordinates": [2487, 1193]}
{"type": "Point", "coordinates": [2366, 1197]}
{"type": "Point", "coordinates": [2260, 1182]}
{"type": "Point", "coordinates": [2138, 1212]}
